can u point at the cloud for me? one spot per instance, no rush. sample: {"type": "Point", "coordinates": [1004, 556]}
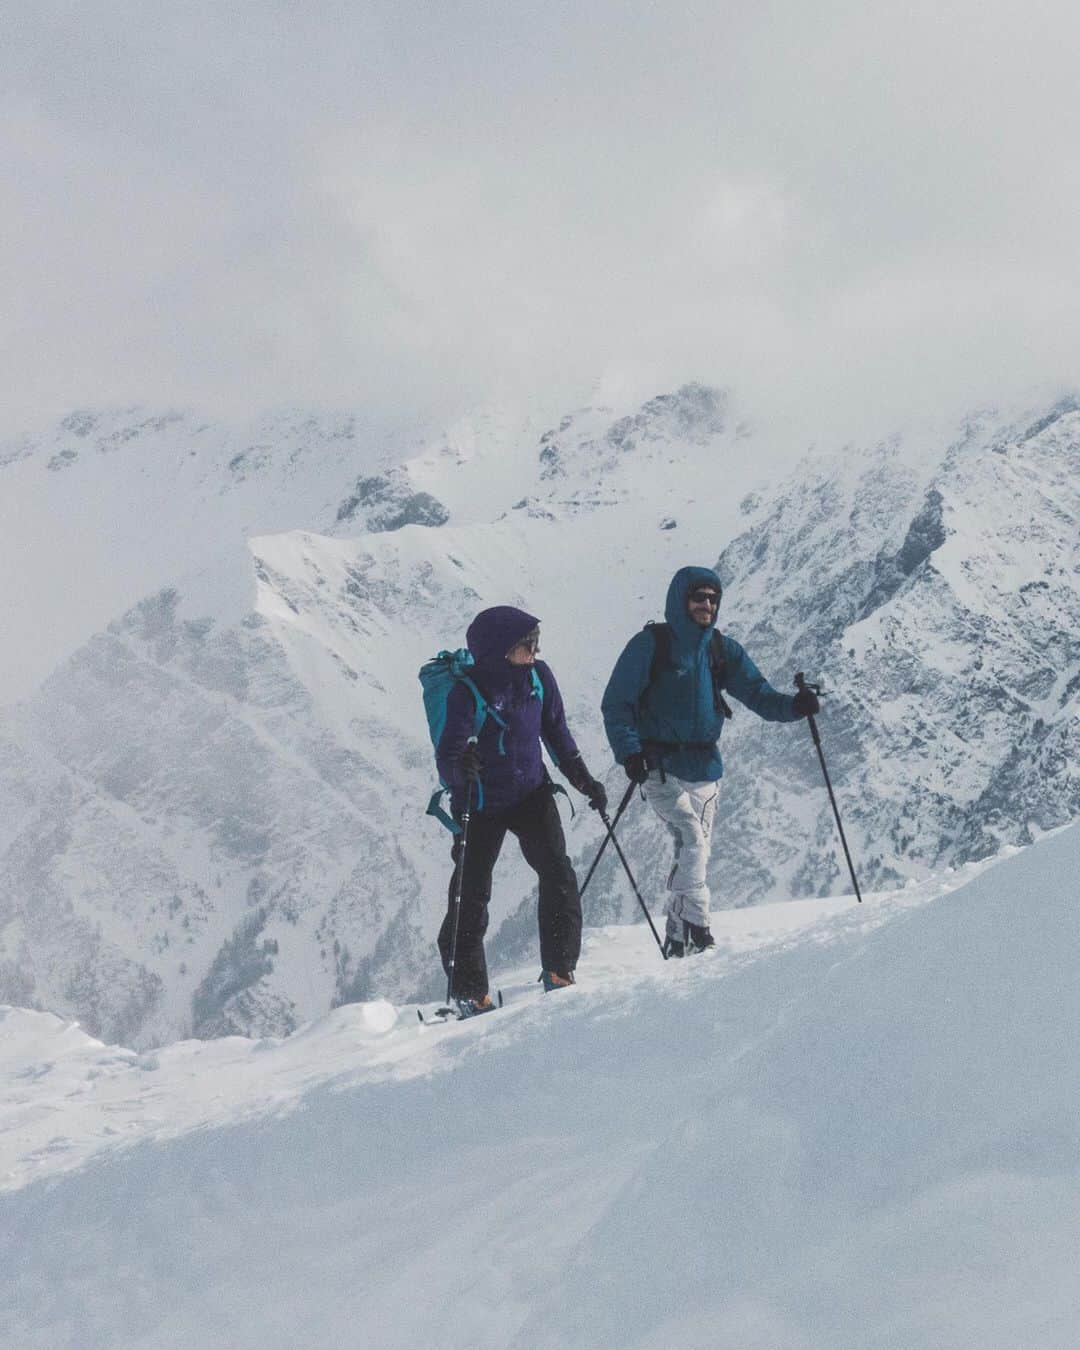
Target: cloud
{"type": "Point", "coordinates": [404, 205]}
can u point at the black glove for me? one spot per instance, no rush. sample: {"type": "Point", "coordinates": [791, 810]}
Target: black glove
{"type": "Point", "coordinates": [806, 702]}
{"type": "Point", "coordinates": [586, 784]}
{"type": "Point", "coordinates": [470, 764]}
{"type": "Point", "coordinates": [636, 768]}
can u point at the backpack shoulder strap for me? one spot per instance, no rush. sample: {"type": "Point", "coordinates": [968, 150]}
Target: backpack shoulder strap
{"type": "Point", "coordinates": [719, 666]}
{"type": "Point", "coordinates": [718, 659]}
{"type": "Point", "coordinates": [483, 710]}
{"type": "Point", "coordinates": [661, 657]}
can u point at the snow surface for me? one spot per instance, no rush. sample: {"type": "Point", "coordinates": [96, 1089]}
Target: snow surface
{"type": "Point", "coordinates": [849, 1127]}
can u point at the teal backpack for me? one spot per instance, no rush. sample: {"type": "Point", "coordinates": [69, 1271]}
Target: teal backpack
{"type": "Point", "coordinates": [437, 677]}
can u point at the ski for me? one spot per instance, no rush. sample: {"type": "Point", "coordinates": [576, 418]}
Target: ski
{"type": "Point", "coordinates": [444, 1014]}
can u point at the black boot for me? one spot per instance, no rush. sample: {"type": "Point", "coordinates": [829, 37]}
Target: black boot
{"type": "Point", "coordinates": [698, 938]}
{"type": "Point", "coordinates": [473, 1007]}
{"type": "Point", "coordinates": [556, 979]}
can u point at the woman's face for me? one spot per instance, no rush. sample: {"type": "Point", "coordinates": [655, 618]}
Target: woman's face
{"type": "Point", "coordinates": [523, 653]}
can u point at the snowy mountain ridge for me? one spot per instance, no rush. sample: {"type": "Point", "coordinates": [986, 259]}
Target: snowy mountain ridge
{"type": "Point", "coordinates": [214, 824]}
{"type": "Point", "coordinates": [145, 500]}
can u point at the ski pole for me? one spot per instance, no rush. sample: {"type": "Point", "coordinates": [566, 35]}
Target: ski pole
{"type": "Point", "coordinates": [459, 883]}
{"type": "Point", "coordinates": [800, 684]}
{"type": "Point", "coordinates": [622, 807]}
{"type": "Point", "coordinates": [633, 883]}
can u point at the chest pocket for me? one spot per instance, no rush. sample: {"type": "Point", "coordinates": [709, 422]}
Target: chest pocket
{"type": "Point", "coordinates": [662, 661]}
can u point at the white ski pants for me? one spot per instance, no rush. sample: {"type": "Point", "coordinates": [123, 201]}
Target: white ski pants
{"type": "Point", "coordinates": [688, 810]}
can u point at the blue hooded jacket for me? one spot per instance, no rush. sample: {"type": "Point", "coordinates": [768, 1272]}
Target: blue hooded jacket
{"type": "Point", "coordinates": [678, 707]}
{"type": "Point", "coordinates": [507, 778]}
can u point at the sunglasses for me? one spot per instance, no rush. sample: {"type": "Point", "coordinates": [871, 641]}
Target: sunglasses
{"type": "Point", "coordinates": [531, 641]}
{"type": "Point", "coordinates": [705, 597]}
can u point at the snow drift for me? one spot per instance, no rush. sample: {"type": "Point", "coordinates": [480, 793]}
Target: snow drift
{"type": "Point", "coordinates": [863, 1133]}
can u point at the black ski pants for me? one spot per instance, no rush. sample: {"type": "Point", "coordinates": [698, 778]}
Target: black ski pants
{"type": "Point", "coordinates": [536, 824]}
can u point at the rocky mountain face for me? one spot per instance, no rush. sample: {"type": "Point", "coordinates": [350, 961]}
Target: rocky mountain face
{"type": "Point", "coordinates": [940, 596]}
{"type": "Point", "coordinates": [211, 816]}
{"type": "Point", "coordinates": [174, 835]}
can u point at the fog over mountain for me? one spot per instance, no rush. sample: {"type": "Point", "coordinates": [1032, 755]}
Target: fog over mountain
{"type": "Point", "coordinates": [850, 213]}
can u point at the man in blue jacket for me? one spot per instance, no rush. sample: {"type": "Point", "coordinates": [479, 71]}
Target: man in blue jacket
{"type": "Point", "coordinates": [517, 796]}
{"type": "Point", "coordinates": [664, 711]}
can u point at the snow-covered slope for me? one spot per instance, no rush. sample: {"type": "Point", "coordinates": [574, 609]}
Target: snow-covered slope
{"type": "Point", "coordinates": [103, 508]}
{"type": "Point", "coordinates": [213, 823]}
{"type": "Point", "coordinates": [847, 1127]}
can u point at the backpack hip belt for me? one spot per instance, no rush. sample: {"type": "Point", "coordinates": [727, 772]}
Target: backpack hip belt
{"type": "Point", "coordinates": [656, 750]}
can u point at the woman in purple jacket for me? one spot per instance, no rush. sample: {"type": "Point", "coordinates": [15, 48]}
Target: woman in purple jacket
{"type": "Point", "coordinates": [517, 795]}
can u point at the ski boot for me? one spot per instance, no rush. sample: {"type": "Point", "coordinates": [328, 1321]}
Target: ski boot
{"type": "Point", "coordinates": [555, 979]}
{"type": "Point", "coordinates": [473, 1007]}
{"type": "Point", "coordinates": [698, 938]}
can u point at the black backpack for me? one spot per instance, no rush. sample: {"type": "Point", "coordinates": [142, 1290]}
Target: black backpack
{"type": "Point", "coordinates": [662, 637]}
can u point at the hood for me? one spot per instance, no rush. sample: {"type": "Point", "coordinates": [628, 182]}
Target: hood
{"type": "Point", "coordinates": [494, 631]}
{"type": "Point", "coordinates": [682, 583]}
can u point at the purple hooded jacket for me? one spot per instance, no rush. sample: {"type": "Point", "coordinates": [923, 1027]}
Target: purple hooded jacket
{"type": "Point", "coordinates": [508, 778]}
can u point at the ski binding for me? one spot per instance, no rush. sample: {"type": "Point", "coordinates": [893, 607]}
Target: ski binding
{"type": "Point", "coordinates": [458, 1010]}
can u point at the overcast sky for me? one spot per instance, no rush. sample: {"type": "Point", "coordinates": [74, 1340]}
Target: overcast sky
{"type": "Point", "coordinates": [864, 205]}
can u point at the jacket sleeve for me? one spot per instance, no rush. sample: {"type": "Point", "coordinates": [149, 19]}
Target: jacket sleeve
{"type": "Point", "coordinates": [554, 732]}
{"type": "Point", "coordinates": [628, 682]}
{"type": "Point", "coordinates": [746, 683]}
{"type": "Point", "coordinates": [460, 717]}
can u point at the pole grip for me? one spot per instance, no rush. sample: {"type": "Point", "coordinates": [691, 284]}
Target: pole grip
{"type": "Point", "coordinates": [800, 685]}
